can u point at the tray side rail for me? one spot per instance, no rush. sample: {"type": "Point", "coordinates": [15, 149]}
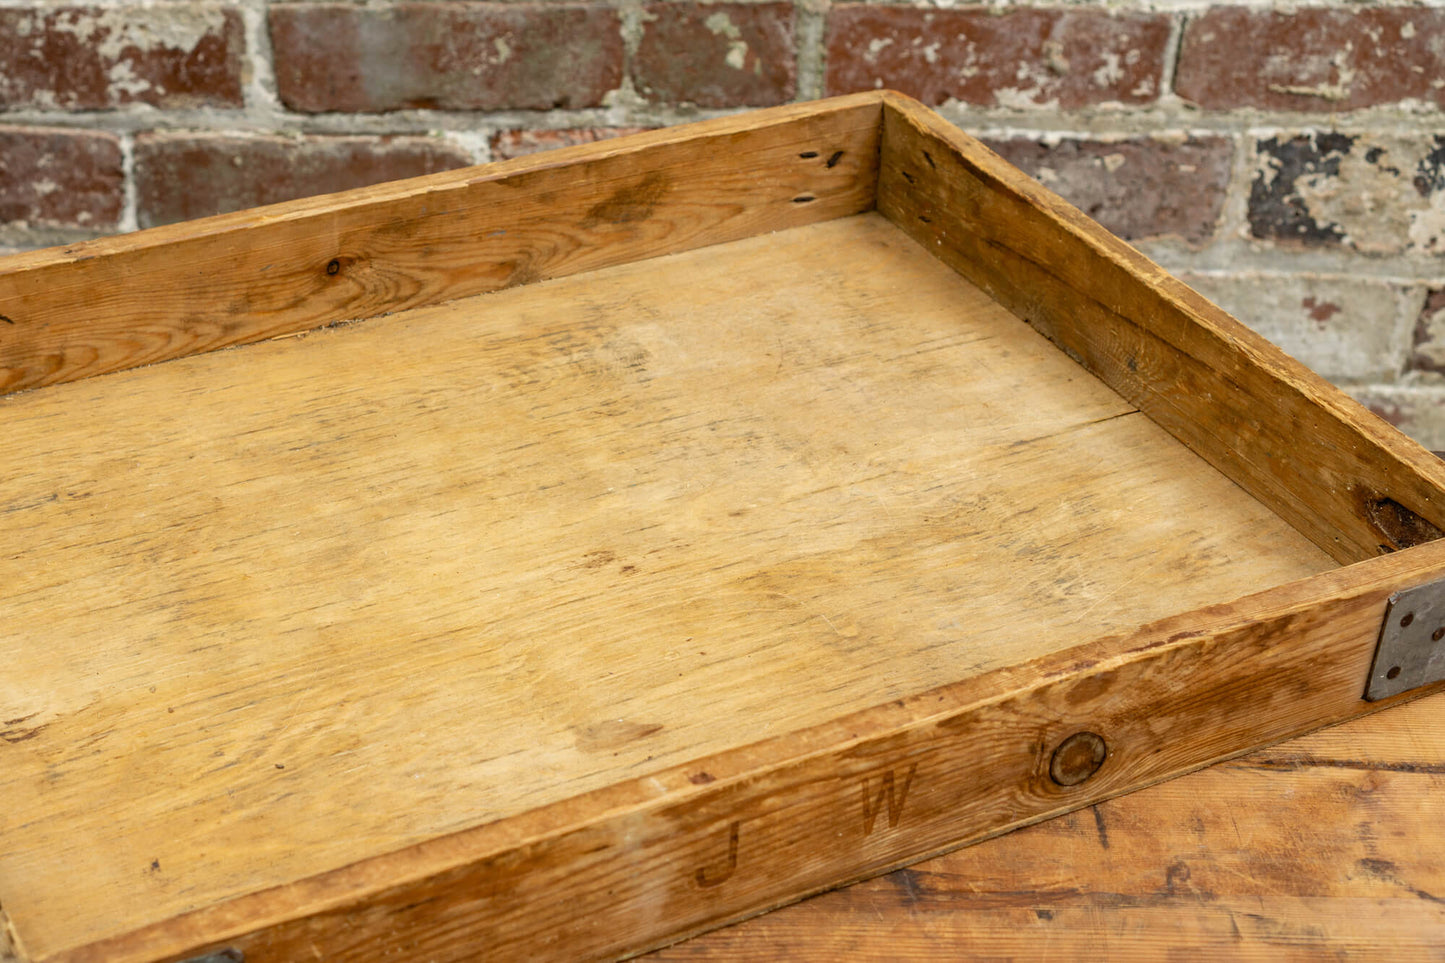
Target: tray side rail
{"type": "Point", "coordinates": [644, 863]}
{"type": "Point", "coordinates": [115, 303]}
{"type": "Point", "coordinates": [1339, 475]}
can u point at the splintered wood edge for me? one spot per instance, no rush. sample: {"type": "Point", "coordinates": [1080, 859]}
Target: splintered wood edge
{"type": "Point", "coordinates": [643, 863]}
{"type": "Point", "coordinates": [116, 303]}
{"type": "Point", "coordinates": [1352, 484]}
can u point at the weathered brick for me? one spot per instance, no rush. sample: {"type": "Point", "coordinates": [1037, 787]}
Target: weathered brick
{"type": "Point", "coordinates": [60, 178]}
{"type": "Point", "coordinates": [451, 56]}
{"type": "Point", "coordinates": [717, 55]}
{"type": "Point", "coordinates": [1427, 343]}
{"type": "Point", "coordinates": [96, 58]}
{"type": "Point", "coordinates": [1343, 328]}
{"type": "Point", "coordinates": [1417, 410]}
{"type": "Point", "coordinates": [1376, 194]}
{"type": "Point", "coordinates": [181, 176]}
{"type": "Point", "coordinates": [1015, 57]}
{"type": "Point", "coordinates": [1312, 58]}
{"type": "Point", "coordinates": [1138, 188]}
{"type": "Point", "coordinates": [507, 144]}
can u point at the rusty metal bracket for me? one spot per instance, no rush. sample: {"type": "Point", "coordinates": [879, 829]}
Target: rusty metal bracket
{"type": "Point", "coordinates": [1411, 650]}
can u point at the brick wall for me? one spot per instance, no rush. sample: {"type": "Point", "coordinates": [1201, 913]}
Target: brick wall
{"type": "Point", "coordinates": [1289, 162]}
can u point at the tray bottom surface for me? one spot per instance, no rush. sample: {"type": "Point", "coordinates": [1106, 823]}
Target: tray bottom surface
{"type": "Point", "coordinates": [275, 610]}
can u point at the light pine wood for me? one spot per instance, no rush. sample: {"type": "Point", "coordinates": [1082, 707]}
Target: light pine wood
{"type": "Point", "coordinates": [311, 615]}
{"type": "Point", "coordinates": [692, 847]}
{"type": "Point", "coordinates": [1326, 846]}
{"type": "Point", "coordinates": [545, 622]}
{"type": "Point", "coordinates": [1336, 472]}
{"type": "Point", "coordinates": [115, 303]}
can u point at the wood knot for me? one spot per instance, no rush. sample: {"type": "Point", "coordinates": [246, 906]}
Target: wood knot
{"type": "Point", "coordinates": [1077, 758]}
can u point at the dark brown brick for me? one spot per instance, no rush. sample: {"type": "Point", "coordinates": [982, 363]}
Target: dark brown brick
{"type": "Point", "coordinates": [60, 178]}
{"type": "Point", "coordinates": [717, 55]}
{"type": "Point", "coordinates": [96, 58]}
{"type": "Point", "coordinates": [1312, 58]}
{"type": "Point", "coordinates": [507, 144]}
{"type": "Point", "coordinates": [450, 56]}
{"type": "Point", "coordinates": [1018, 57]}
{"type": "Point", "coordinates": [1138, 188]}
{"type": "Point", "coordinates": [182, 176]}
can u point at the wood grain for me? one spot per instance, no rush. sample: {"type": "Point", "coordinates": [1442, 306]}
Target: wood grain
{"type": "Point", "coordinates": [672, 853]}
{"type": "Point", "coordinates": [1326, 846]}
{"type": "Point", "coordinates": [309, 616]}
{"type": "Point", "coordinates": [115, 303]}
{"type": "Point", "coordinates": [1337, 473]}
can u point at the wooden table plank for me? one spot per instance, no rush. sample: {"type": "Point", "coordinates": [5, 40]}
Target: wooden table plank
{"type": "Point", "coordinates": [1332, 844]}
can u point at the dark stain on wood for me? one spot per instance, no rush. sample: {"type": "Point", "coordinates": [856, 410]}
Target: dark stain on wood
{"type": "Point", "coordinates": [16, 731]}
{"type": "Point", "coordinates": [628, 204]}
{"type": "Point", "coordinates": [1400, 526]}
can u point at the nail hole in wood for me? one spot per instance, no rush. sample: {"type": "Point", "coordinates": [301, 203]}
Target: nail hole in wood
{"type": "Point", "coordinates": [6, 320]}
{"type": "Point", "coordinates": [925, 219]}
{"type": "Point", "coordinates": [1077, 758]}
{"type": "Point", "coordinates": [929, 157]}
{"type": "Point", "coordinates": [833, 161]}
{"type": "Point", "coordinates": [1394, 672]}
{"type": "Point", "coordinates": [1438, 634]}
{"type": "Point", "coordinates": [908, 177]}
{"type": "Point", "coordinates": [804, 198]}
{"type": "Point", "coordinates": [1409, 617]}
{"type": "Point", "coordinates": [333, 266]}
{"type": "Point", "coordinates": [808, 154]}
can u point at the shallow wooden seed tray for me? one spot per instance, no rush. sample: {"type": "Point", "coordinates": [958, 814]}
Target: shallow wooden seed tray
{"type": "Point", "coordinates": [694, 521]}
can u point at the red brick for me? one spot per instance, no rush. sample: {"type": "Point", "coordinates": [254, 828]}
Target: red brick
{"type": "Point", "coordinates": [60, 178]}
{"type": "Point", "coordinates": [1137, 188]}
{"type": "Point", "coordinates": [95, 58]}
{"type": "Point", "coordinates": [1312, 58]}
{"type": "Point", "coordinates": [507, 144]}
{"type": "Point", "coordinates": [717, 55]}
{"type": "Point", "coordinates": [450, 56]}
{"type": "Point", "coordinates": [181, 176]}
{"type": "Point", "coordinates": [1016, 57]}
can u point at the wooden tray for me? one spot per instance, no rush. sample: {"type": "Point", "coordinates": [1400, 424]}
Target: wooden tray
{"type": "Point", "coordinates": [700, 528]}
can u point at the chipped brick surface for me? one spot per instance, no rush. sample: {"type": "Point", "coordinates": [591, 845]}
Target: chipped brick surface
{"type": "Point", "coordinates": [520, 142]}
{"type": "Point", "coordinates": [1378, 195]}
{"type": "Point", "coordinates": [1019, 57]}
{"type": "Point", "coordinates": [717, 55]}
{"type": "Point", "coordinates": [182, 176]}
{"type": "Point", "coordinates": [1418, 411]}
{"type": "Point", "coordinates": [97, 58]}
{"type": "Point", "coordinates": [60, 178]}
{"type": "Point", "coordinates": [451, 56]}
{"type": "Point", "coordinates": [1427, 342]}
{"type": "Point", "coordinates": [1138, 188]}
{"type": "Point", "coordinates": [1346, 329]}
{"type": "Point", "coordinates": [1314, 58]}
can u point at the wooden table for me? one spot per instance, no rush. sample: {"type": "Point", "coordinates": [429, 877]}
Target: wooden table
{"type": "Point", "coordinates": [1330, 845]}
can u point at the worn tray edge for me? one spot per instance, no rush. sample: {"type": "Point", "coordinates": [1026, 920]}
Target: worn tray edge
{"type": "Point", "coordinates": [91, 308]}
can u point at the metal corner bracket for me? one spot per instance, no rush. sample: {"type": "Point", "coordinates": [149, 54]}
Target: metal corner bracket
{"type": "Point", "coordinates": [1411, 650]}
